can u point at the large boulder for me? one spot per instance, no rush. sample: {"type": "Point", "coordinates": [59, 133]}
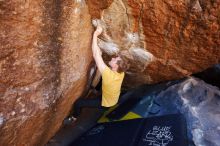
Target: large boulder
{"type": "Point", "coordinates": [44, 59]}
{"type": "Point", "coordinates": [182, 36]}
{"type": "Point", "coordinates": [45, 53]}
{"type": "Point", "coordinates": [199, 103]}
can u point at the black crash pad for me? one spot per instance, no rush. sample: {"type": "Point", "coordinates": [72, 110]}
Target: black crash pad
{"type": "Point", "coordinates": [169, 130]}
{"type": "Point", "coordinates": [123, 109]}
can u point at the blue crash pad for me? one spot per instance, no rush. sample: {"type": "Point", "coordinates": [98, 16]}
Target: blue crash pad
{"type": "Point", "coordinates": [169, 130]}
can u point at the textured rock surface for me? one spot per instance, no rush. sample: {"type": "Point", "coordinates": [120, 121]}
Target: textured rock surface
{"type": "Point", "coordinates": [43, 66]}
{"type": "Point", "coordinates": [183, 36]}
{"type": "Point", "coordinates": [45, 53]}
{"type": "Point", "coordinates": [198, 102]}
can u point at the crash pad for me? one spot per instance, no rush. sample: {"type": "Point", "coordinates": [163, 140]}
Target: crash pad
{"type": "Point", "coordinates": [168, 130]}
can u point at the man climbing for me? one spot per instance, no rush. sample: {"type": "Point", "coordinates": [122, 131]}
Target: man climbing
{"type": "Point", "coordinates": [112, 78]}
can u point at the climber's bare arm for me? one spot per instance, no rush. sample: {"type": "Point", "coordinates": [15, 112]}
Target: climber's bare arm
{"type": "Point", "coordinates": [97, 53]}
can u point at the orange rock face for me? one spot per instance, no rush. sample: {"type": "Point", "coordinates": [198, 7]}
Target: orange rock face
{"type": "Point", "coordinates": [45, 52]}
{"type": "Point", "coordinates": [183, 36]}
{"type": "Point", "coordinates": [44, 59]}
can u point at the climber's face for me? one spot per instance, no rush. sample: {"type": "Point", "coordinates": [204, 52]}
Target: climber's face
{"type": "Point", "coordinates": [113, 63]}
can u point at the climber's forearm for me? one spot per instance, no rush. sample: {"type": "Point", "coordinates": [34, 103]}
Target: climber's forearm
{"type": "Point", "coordinates": [97, 54]}
{"type": "Point", "coordinates": [95, 48]}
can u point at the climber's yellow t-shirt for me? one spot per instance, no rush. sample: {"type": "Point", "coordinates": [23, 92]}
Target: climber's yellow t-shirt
{"type": "Point", "coordinates": [111, 86]}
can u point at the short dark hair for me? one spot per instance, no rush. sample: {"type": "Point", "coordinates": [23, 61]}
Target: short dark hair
{"type": "Point", "coordinates": [123, 64]}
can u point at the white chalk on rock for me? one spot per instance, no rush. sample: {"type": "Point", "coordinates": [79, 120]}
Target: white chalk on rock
{"type": "Point", "coordinates": [108, 47]}
{"type": "Point", "coordinates": [197, 7]}
{"type": "Point", "coordinates": [78, 1]}
{"type": "Point", "coordinates": [96, 22]}
{"type": "Point", "coordinates": [132, 37]}
{"type": "Point", "coordinates": [142, 55]}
